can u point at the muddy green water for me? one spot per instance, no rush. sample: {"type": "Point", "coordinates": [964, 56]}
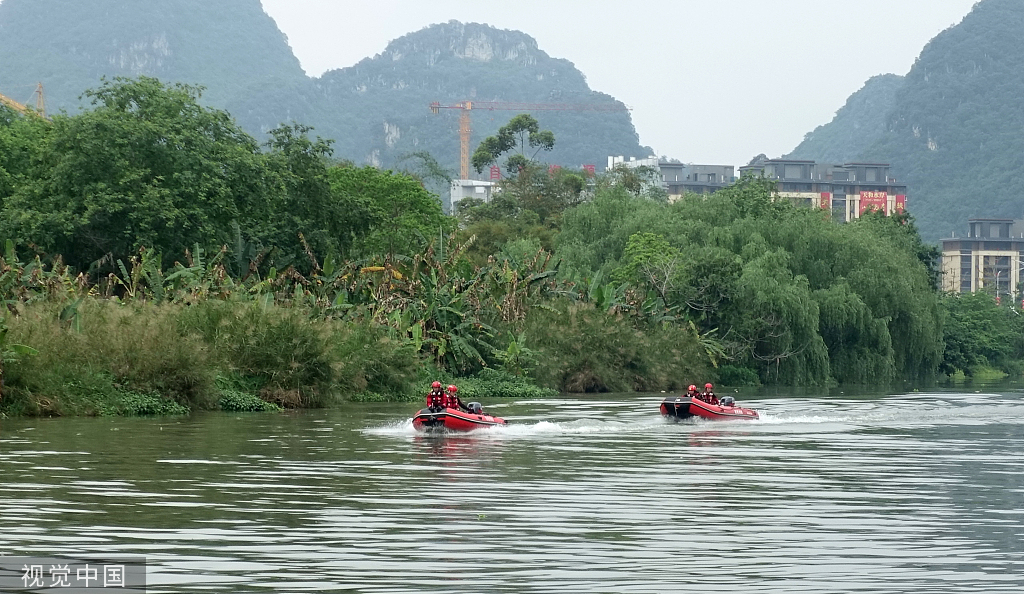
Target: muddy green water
{"type": "Point", "coordinates": [838, 493]}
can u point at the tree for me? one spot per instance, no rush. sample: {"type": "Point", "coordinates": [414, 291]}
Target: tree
{"type": "Point", "coordinates": [653, 263]}
{"type": "Point", "coordinates": [147, 166]}
{"type": "Point", "coordinates": [306, 202]}
{"type": "Point", "coordinates": [21, 138]}
{"type": "Point", "coordinates": [402, 215]}
{"type": "Point", "coordinates": [640, 181]}
{"type": "Point", "coordinates": [521, 132]}
{"type": "Point", "coordinates": [978, 332]}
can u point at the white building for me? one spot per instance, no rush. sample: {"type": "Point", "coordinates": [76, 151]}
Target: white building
{"type": "Point", "coordinates": [471, 188]}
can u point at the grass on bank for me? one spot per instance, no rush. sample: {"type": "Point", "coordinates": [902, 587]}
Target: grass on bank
{"type": "Point", "coordinates": [108, 358]}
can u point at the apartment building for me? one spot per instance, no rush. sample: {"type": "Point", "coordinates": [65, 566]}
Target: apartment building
{"type": "Point", "coordinates": [990, 258]}
{"type": "Point", "coordinates": [847, 191]}
{"type": "Point", "coordinates": [678, 178]}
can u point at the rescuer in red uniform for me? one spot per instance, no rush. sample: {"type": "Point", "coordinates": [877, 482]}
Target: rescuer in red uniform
{"type": "Point", "coordinates": [709, 395]}
{"type": "Point", "coordinates": [453, 399]}
{"type": "Point", "coordinates": [436, 398]}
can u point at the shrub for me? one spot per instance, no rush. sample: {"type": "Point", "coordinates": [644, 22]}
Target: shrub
{"type": "Point", "coordinates": [113, 349]}
{"type": "Point", "coordinates": [493, 383]}
{"type": "Point", "coordinates": [733, 375]}
{"type": "Point", "coordinates": [136, 404]}
{"type": "Point", "coordinates": [283, 350]}
{"type": "Point", "coordinates": [369, 361]}
{"type": "Point", "coordinates": [235, 401]}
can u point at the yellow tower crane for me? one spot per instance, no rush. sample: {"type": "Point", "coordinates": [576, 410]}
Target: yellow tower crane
{"type": "Point", "coordinates": [40, 107]}
{"type": "Point", "coordinates": [465, 128]}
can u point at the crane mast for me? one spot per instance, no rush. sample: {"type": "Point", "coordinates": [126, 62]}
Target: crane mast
{"type": "Point", "coordinates": [465, 125]}
{"type": "Point", "coordinates": [40, 102]}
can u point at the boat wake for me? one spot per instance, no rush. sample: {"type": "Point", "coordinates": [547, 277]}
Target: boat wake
{"type": "Point", "coordinates": [530, 428]}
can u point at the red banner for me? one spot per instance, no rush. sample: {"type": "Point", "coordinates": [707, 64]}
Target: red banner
{"type": "Point", "coordinates": [901, 203]}
{"type": "Point", "coordinates": [826, 201]}
{"type": "Point", "coordinates": [873, 201]}
{"type": "Point", "coordinates": [495, 172]}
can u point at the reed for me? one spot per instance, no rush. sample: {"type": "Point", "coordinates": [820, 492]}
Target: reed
{"type": "Point", "coordinates": [110, 351]}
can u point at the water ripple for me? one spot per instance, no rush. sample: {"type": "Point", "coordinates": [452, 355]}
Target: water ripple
{"type": "Point", "coordinates": [909, 493]}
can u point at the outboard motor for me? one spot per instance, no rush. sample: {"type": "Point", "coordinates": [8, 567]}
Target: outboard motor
{"type": "Point", "coordinates": [727, 401]}
{"type": "Point", "coordinates": [475, 408]}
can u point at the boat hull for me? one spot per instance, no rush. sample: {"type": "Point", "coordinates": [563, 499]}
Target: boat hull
{"type": "Point", "coordinates": [451, 419]}
{"type": "Point", "coordinates": [686, 407]}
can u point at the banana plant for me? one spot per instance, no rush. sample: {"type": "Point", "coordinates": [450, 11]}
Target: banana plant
{"type": "Point", "coordinates": [711, 345]}
{"type": "Point", "coordinates": [201, 278]}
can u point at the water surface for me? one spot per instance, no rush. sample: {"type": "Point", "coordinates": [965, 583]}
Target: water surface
{"type": "Point", "coordinates": [841, 493]}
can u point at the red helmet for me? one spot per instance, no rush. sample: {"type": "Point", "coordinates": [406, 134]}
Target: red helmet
{"type": "Point", "coordinates": [452, 389]}
{"type": "Point", "coordinates": [708, 386]}
{"type": "Point", "coordinates": [435, 385]}
{"type": "Point", "coordinates": [692, 388]}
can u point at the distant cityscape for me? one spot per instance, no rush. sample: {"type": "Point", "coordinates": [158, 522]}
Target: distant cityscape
{"type": "Point", "coordinates": [847, 191]}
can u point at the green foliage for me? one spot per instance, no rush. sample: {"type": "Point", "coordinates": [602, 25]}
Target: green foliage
{"type": "Point", "coordinates": [402, 216]}
{"type": "Point", "coordinates": [288, 354]}
{"type": "Point", "coordinates": [523, 135]}
{"type": "Point", "coordinates": [592, 351]}
{"type": "Point", "coordinates": [234, 401]}
{"type": "Point", "coordinates": [368, 361]}
{"type": "Point", "coordinates": [980, 334]}
{"type": "Point", "coordinates": [734, 375]}
{"type": "Point", "coordinates": [653, 263]}
{"type": "Point", "coordinates": [148, 166]}
{"type": "Point", "coordinates": [492, 383]}
{"type": "Point", "coordinates": [135, 404]}
{"type": "Point", "coordinates": [517, 359]}
{"type": "Point", "coordinates": [149, 172]}
{"type": "Point", "coordinates": [768, 287]}
{"type": "Point", "coordinates": [594, 235]}
{"type": "Point", "coordinates": [115, 349]}
{"type": "Point", "coordinates": [642, 182]}
{"type": "Point", "coordinates": [305, 204]}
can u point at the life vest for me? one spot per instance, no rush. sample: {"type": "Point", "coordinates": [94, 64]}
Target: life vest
{"type": "Point", "coordinates": [436, 398]}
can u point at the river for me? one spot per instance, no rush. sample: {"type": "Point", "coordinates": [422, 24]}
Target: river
{"type": "Point", "coordinates": [879, 493]}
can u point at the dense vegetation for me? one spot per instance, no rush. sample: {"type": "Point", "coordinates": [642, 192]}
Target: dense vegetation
{"type": "Point", "coordinates": [952, 132]}
{"type": "Point", "coordinates": [857, 126]}
{"type": "Point", "coordinates": [376, 111]}
{"type": "Point", "coordinates": [159, 259]}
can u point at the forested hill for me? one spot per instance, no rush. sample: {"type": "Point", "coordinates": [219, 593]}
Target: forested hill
{"type": "Point", "coordinates": [229, 46]}
{"type": "Point", "coordinates": [955, 131]}
{"type": "Point", "coordinates": [856, 127]}
{"type": "Point", "coordinates": [376, 111]}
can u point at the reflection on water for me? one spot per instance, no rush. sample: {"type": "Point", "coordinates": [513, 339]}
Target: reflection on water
{"type": "Point", "coordinates": [850, 493]}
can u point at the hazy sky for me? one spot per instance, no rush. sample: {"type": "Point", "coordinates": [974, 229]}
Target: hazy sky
{"type": "Point", "coordinates": [709, 81]}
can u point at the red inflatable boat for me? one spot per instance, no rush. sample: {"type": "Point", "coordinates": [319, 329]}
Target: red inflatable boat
{"type": "Point", "coordinates": [685, 407]}
{"type": "Point", "coordinates": [451, 419]}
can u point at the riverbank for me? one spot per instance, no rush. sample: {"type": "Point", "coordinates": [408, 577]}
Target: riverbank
{"type": "Point", "coordinates": [108, 358]}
